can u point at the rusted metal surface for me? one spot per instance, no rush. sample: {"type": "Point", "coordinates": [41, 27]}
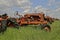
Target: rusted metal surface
{"type": "Point", "coordinates": [37, 18]}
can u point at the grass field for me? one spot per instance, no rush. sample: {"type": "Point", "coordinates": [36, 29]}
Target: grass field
{"type": "Point", "coordinates": [31, 33]}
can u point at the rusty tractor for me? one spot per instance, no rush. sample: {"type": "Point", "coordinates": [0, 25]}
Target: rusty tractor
{"type": "Point", "coordinates": [35, 19]}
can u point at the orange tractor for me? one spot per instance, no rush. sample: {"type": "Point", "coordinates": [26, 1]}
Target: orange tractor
{"type": "Point", "coordinates": [35, 19]}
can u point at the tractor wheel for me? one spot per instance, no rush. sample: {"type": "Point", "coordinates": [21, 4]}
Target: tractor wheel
{"type": "Point", "coordinates": [46, 27]}
{"type": "Point", "coordinates": [3, 26]}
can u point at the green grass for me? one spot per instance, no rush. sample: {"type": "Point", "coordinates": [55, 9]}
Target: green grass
{"type": "Point", "coordinates": [31, 33]}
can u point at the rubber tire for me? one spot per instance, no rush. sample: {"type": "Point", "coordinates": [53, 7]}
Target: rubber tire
{"type": "Point", "coordinates": [3, 26]}
{"type": "Point", "coordinates": [43, 26]}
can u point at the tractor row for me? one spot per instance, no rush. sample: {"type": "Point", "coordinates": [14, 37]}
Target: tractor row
{"type": "Point", "coordinates": [27, 19]}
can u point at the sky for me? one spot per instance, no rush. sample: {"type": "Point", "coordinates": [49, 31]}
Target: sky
{"type": "Point", "coordinates": [49, 7]}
